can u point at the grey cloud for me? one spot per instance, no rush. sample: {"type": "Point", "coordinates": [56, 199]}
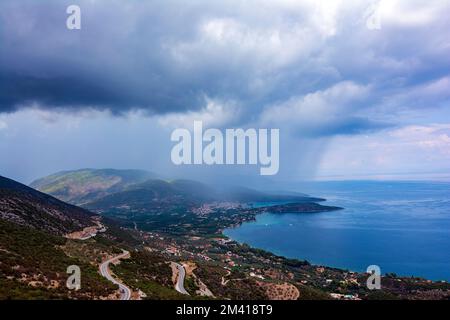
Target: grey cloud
{"type": "Point", "coordinates": [172, 56]}
{"type": "Point", "coordinates": [162, 56]}
{"type": "Point", "coordinates": [116, 62]}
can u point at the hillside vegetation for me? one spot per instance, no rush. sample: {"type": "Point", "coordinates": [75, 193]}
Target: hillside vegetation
{"type": "Point", "coordinates": [85, 185]}
{"type": "Point", "coordinates": [28, 207]}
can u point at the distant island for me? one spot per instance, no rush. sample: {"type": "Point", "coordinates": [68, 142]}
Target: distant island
{"type": "Point", "coordinates": [308, 207]}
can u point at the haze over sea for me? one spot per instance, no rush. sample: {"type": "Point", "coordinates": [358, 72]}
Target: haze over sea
{"type": "Point", "coordinates": [403, 227]}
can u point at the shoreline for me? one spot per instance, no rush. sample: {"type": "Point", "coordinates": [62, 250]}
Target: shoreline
{"type": "Point", "coordinates": [282, 255]}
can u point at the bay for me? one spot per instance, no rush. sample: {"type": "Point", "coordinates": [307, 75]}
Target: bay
{"type": "Point", "coordinates": [403, 227]}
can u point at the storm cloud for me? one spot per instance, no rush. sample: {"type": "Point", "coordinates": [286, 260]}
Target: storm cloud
{"type": "Point", "coordinates": [174, 58]}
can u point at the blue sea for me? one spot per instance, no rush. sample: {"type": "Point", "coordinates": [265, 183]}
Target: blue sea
{"type": "Point", "coordinates": [403, 227]}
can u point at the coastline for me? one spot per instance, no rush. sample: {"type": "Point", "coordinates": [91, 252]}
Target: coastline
{"type": "Point", "coordinates": [223, 233]}
{"type": "Point", "coordinates": [264, 210]}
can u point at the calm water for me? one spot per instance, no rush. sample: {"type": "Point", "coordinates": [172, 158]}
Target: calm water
{"type": "Point", "coordinates": [402, 227]}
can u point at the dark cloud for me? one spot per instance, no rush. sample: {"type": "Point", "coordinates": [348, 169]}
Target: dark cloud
{"type": "Point", "coordinates": [116, 61]}
{"type": "Point", "coordinates": [169, 56]}
{"type": "Point", "coordinates": [73, 92]}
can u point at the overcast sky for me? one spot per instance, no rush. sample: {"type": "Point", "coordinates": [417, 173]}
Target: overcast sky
{"type": "Point", "coordinates": [357, 88]}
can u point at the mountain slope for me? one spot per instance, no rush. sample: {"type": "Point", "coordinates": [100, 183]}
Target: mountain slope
{"type": "Point", "coordinates": [161, 195]}
{"type": "Point", "coordinates": [154, 195]}
{"type": "Point", "coordinates": [138, 190]}
{"type": "Point", "coordinates": [33, 265]}
{"type": "Point", "coordinates": [86, 185]}
{"type": "Point", "coordinates": [27, 207]}
{"type": "Point", "coordinates": [33, 251]}
{"type": "Point", "coordinates": [34, 256]}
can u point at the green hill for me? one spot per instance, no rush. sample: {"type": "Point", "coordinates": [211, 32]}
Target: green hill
{"type": "Point", "coordinates": [33, 266]}
{"type": "Point", "coordinates": [34, 255]}
{"type": "Point", "coordinates": [86, 185]}
{"type": "Point", "coordinates": [25, 206]}
{"type": "Point", "coordinates": [33, 262]}
{"type": "Point", "coordinates": [102, 189]}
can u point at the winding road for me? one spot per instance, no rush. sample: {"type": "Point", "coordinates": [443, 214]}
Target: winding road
{"type": "Point", "coordinates": [125, 292]}
{"type": "Point", "coordinates": [180, 280]}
